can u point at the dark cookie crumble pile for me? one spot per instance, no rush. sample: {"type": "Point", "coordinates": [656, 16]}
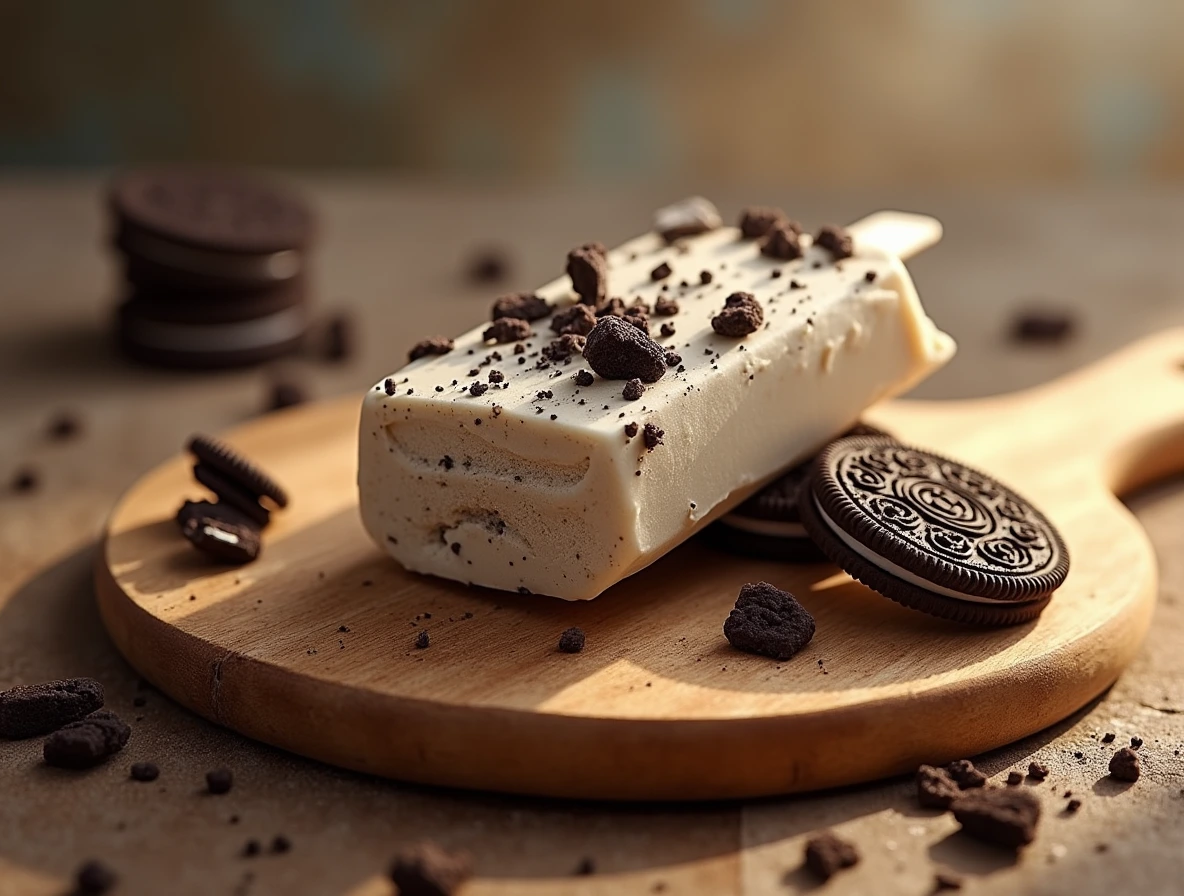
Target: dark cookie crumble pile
{"type": "Point", "coordinates": [768, 621]}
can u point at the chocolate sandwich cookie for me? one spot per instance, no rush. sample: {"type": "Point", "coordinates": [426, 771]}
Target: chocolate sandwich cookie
{"type": "Point", "coordinates": [223, 534]}
{"type": "Point", "coordinates": [931, 533]}
{"type": "Point", "coordinates": [768, 525]}
{"type": "Point", "coordinates": [234, 479]}
{"type": "Point", "coordinates": [207, 227]}
{"type": "Point", "coordinates": [210, 330]}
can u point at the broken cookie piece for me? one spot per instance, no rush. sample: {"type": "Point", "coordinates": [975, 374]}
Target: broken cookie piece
{"type": "Point", "coordinates": [427, 869]}
{"type": "Point", "coordinates": [827, 854]}
{"type": "Point", "coordinates": [1005, 817]}
{"type": "Point", "coordinates": [768, 621]}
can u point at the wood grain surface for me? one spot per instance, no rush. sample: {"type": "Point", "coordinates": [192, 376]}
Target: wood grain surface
{"type": "Point", "coordinates": [394, 252]}
{"type": "Point", "coordinates": [311, 647]}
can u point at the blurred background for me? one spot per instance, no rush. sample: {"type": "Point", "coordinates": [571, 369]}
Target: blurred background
{"type": "Point", "coordinates": [770, 91]}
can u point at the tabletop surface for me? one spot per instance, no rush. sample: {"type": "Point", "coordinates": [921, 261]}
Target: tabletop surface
{"type": "Point", "coordinates": [394, 253]}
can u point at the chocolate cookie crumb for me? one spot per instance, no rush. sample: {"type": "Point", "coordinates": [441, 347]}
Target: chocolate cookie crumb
{"type": "Point", "coordinates": [1042, 326]}
{"type": "Point", "coordinates": [93, 879]}
{"type": "Point", "coordinates": [86, 742]}
{"type": "Point", "coordinates": [944, 880]}
{"type": "Point", "coordinates": [1136, 742]}
{"type": "Point", "coordinates": [633, 390]}
{"type": "Point", "coordinates": [705, 277]}
{"type": "Point", "coordinates": [935, 788]}
{"type": "Point", "coordinates": [24, 481]}
{"type": "Point", "coordinates": [652, 436]}
{"type": "Point", "coordinates": [587, 266]}
{"type": "Point", "coordinates": [965, 775]}
{"type": "Point", "coordinates": [835, 240]}
{"type": "Point", "coordinates": [1072, 806]}
{"type": "Point", "coordinates": [756, 221]}
{"type": "Point", "coordinates": [614, 306]}
{"type": "Point", "coordinates": [577, 320]}
{"type": "Point", "coordinates": [478, 388]}
{"type": "Point", "coordinates": [423, 640]}
{"type": "Point", "coordinates": [630, 430]}
{"type": "Point", "coordinates": [507, 329]}
{"type": "Point", "coordinates": [572, 640]}
{"type": "Point", "coordinates": [1014, 779]}
{"type": "Point", "coordinates": [587, 866]}
{"type": "Point", "coordinates": [219, 781]}
{"type": "Point", "coordinates": [523, 305]}
{"type": "Point", "coordinates": [1125, 765]}
{"type": "Point", "coordinates": [782, 243]}
{"type": "Point", "coordinates": [339, 341]}
{"type": "Point", "coordinates": [488, 266]}
{"type": "Point", "coordinates": [667, 330]}
{"type": "Point", "coordinates": [64, 426]}
{"type": "Point", "coordinates": [252, 848]}
{"type": "Point", "coordinates": [673, 359]}
{"type": "Point", "coordinates": [1001, 816]}
{"type": "Point", "coordinates": [1037, 770]}
{"type": "Point", "coordinates": [769, 622]}
{"type": "Point", "coordinates": [281, 844]}
{"type": "Point", "coordinates": [666, 307]}
{"type": "Point", "coordinates": [869, 277]}
{"type": "Point", "coordinates": [427, 869]}
{"type": "Point", "coordinates": [661, 272]}
{"type": "Point", "coordinates": [564, 347]}
{"type": "Point", "coordinates": [742, 314]}
{"type": "Point", "coordinates": [1108, 737]}
{"type": "Point", "coordinates": [145, 771]}
{"type": "Point", "coordinates": [584, 378]}
{"type": "Point", "coordinates": [496, 376]}
{"type": "Point", "coordinates": [619, 351]}
{"type": "Point", "coordinates": [437, 345]}
{"type": "Point", "coordinates": [827, 854]}
{"type": "Point", "coordinates": [36, 709]}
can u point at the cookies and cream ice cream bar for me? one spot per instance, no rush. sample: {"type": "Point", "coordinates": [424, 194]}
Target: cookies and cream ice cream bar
{"type": "Point", "coordinates": [561, 447]}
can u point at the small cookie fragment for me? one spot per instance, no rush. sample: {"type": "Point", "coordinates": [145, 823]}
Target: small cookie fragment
{"type": "Point", "coordinates": [36, 709]}
{"type": "Point", "coordinates": [564, 347]}
{"type": "Point", "coordinates": [94, 878]}
{"type": "Point", "coordinates": [427, 869]}
{"type": "Point", "coordinates": [631, 429]}
{"type": "Point", "coordinates": [742, 314]}
{"type": "Point", "coordinates": [689, 217]}
{"type": "Point", "coordinates": [1037, 771]}
{"type": "Point", "coordinates": [522, 305]}
{"type": "Point", "coordinates": [769, 622]}
{"type": "Point", "coordinates": [633, 390]}
{"type": "Point", "coordinates": [423, 640]}
{"type": "Point", "coordinates": [652, 436]}
{"type": "Point", "coordinates": [756, 221]}
{"type": "Point", "coordinates": [965, 775]}
{"type": "Point", "coordinates": [666, 306]}
{"type": "Point", "coordinates": [572, 640]}
{"type": "Point", "coordinates": [584, 379]}
{"type": "Point", "coordinates": [144, 771]}
{"type": "Point", "coordinates": [782, 243]}
{"type": "Point", "coordinates": [1072, 806]}
{"type": "Point", "coordinates": [618, 350]}
{"type": "Point", "coordinates": [1014, 779]}
{"type": "Point", "coordinates": [1042, 326]}
{"type": "Point", "coordinates": [236, 469]}
{"type": "Point", "coordinates": [219, 781]}
{"type": "Point", "coordinates": [86, 742]}
{"type": "Point", "coordinates": [835, 240]}
{"type": "Point", "coordinates": [1125, 765]}
{"type": "Point", "coordinates": [437, 345]}
{"type": "Point", "coordinates": [935, 788]}
{"type": "Point", "coordinates": [661, 272]}
{"type": "Point", "coordinates": [1001, 816]}
{"type": "Point", "coordinates": [577, 320]}
{"type": "Point", "coordinates": [614, 306]}
{"type": "Point", "coordinates": [507, 329]}
{"type": "Point", "coordinates": [64, 426]}
{"type": "Point", "coordinates": [1136, 742]}
{"type": "Point", "coordinates": [489, 265]}
{"type": "Point", "coordinates": [24, 480]}
{"type": "Point", "coordinates": [223, 534]}
{"type": "Point", "coordinates": [827, 854]}
{"type": "Point", "coordinates": [587, 266]}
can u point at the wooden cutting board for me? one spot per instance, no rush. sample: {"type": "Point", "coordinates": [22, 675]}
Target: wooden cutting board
{"type": "Point", "coordinates": [311, 647]}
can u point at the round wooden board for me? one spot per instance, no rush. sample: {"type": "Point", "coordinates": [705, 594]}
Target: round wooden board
{"type": "Point", "coordinates": [311, 647]}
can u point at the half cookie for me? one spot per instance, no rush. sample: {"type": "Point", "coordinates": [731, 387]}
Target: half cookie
{"type": "Point", "coordinates": [931, 533]}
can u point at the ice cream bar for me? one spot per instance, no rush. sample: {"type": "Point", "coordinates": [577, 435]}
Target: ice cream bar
{"type": "Point", "coordinates": [559, 448]}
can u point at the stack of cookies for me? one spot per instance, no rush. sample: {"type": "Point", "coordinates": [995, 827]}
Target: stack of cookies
{"type": "Point", "coordinates": [214, 264]}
